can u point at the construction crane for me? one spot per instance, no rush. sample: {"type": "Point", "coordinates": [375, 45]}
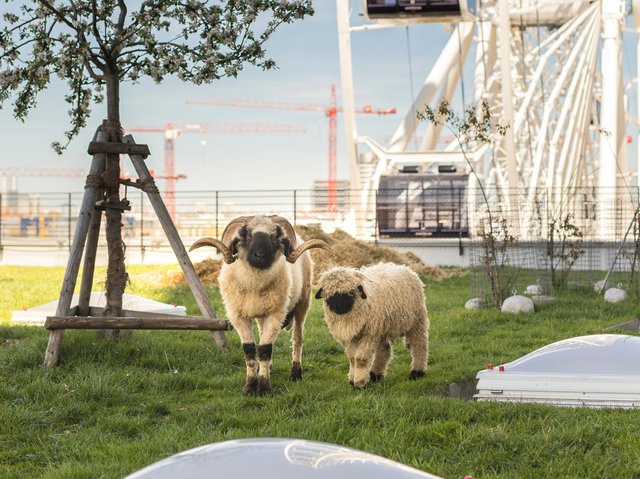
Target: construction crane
{"type": "Point", "coordinates": [330, 112]}
{"type": "Point", "coordinates": [173, 131]}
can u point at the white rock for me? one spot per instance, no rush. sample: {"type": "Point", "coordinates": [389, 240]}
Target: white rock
{"type": "Point", "coordinates": [475, 303]}
{"type": "Point", "coordinates": [533, 289]}
{"type": "Point", "coordinates": [599, 286]}
{"type": "Point", "coordinates": [615, 295]}
{"type": "Point", "coordinates": [517, 304]}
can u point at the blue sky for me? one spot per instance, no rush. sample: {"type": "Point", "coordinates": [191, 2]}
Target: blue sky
{"type": "Point", "coordinates": [307, 56]}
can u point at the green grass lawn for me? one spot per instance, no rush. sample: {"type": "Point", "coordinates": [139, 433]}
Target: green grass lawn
{"type": "Point", "coordinates": [112, 407]}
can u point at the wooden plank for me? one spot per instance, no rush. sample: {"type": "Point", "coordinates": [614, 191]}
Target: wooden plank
{"type": "Point", "coordinates": [110, 147]}
{"type": "Point", "coordinates": [128, 313]}
{"type": "Point", "coordinates": [75, 256]}
{"type": "Point", "coordinates": [177, 323]}
{"type": "Point", "coordinates": [179, 250]}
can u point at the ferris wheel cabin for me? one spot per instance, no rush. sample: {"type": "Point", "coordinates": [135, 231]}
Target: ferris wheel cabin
{"type": "Point", "coordinates": [410, 11]}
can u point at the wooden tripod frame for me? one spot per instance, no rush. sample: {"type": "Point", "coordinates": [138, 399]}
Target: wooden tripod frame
{"type": "Point", "coordinates": [87, 232]}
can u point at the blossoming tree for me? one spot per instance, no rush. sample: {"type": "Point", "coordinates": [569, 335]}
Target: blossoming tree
{"type": "Point", "coordinates": [94, 46]}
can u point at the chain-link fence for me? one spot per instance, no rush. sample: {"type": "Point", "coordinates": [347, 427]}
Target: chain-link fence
{"type": "Point", "coordinates": [551, 234]}
{"type": "Point", "coordinates": [553, 238]}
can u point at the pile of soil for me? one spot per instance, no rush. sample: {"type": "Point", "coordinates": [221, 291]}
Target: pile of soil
{"type": "Point", "coordinates": [356, 253]}
{"type": "Point", "coordinates": [348, 252]}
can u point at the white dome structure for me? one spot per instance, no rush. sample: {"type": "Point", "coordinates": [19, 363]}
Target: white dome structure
{"type": "Point", "coordinates": [601, 370]}
{"type": "Point", "coordinates": [270, 458]}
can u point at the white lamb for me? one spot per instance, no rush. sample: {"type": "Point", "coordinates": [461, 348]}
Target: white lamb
{"type": "Point", "coordinates": [368, 308]}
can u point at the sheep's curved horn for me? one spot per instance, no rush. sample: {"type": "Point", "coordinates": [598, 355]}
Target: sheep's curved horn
{"type": "Point", "coordinates": [312, 243]}
{"type": "Point", "coordinates": [219, 245]}
{"type": "Point", "coordinates": [232, 227]}
{"type": "Point", "coordinates": [288, 229]}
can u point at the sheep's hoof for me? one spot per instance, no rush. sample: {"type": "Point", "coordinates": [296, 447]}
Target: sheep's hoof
{"type": "Point", "coordinates": [296, 372]}
{"type": "Point", "coordinates": [360, 384]}
{"type": "Point", "coordinates": [251, 386]}
{"type": "Point", "coordinates": [413, 375]}
{"type": "Point", "coordinates": [375, 376]}
{"type": "Point", "coordinates": [264, 387]}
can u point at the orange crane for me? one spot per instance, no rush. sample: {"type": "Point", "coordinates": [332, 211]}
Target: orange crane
{"type": "Point", "coordinates": [173, 131]}
{"type": "Point", "coordinates": [330, 112]}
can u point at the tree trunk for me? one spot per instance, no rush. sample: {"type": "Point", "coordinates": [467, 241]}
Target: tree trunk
{"type": "Point", "coordinates": [117, 277]}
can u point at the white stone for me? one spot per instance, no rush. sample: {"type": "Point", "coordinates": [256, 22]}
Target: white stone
{"type": "Point", "coordinates": [615, 295]}
{"type": "Point", "coordinates": [599, 286]}
{"type": "Point", "coordinates": [475, 303]}
{"type": "Point", "coordinates": [517, 304]}
{"type": "Point", "coordinates": [533, 289]}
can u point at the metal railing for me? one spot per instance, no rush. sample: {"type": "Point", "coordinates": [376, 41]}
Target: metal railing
{"type": "Point", "coordinates": [48, 219]}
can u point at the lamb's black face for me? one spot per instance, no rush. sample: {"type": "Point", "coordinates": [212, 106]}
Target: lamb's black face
{"type": "Point", "coordinates": [341, 303]}
{"type": "Point", "coordinates": [262, 250]}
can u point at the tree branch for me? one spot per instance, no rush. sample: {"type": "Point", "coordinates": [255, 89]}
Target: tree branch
{"type": "Point", "coordinates": [60, 16]}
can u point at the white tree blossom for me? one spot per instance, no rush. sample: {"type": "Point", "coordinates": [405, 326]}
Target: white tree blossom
{"type": "Point", "coordinates": [91, 44]}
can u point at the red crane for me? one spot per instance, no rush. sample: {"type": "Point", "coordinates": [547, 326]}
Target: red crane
{"type": "Point", "coordinates": [330, 112]}
{"type": "Point", "coordinates": [173, 131]}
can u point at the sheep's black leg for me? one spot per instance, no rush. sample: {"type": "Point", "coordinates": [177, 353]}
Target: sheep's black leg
{"type": "Point", "coordinates": [268, 335]}
{"type": "Point", "coordinates": [300, 313]}
{"type": "Point", "coordinates": [417, 340]}
{"type": "Point", "coordinates": [381, 360]}
{"type": "Point", "coordinates": [360, 357]}
{"type": "Point", "coordinates": [249, 348]}
{"type": "Point", "coordinates": [251, 385]}
{"type": "Point", "coordinates": [265, 352]}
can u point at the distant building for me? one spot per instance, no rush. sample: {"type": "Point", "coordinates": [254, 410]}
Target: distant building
{"type": "Point", "coordinates": [319, 195]}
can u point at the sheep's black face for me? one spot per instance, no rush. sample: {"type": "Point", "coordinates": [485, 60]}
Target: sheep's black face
{"type": "Point", "coordinates": [261, 250]}
{"type": "Point", "coordinates": [341, 303]}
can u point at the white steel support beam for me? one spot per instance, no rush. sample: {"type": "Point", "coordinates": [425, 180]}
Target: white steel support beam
{"type": "Point", "coordinates": [612, 14]}
{"type": "Point", "coordinates": [504, 39]}
{"type": "Point", "coordinates": [446, 61]}
{"type": "Point", "coordinates": [346, 88]}
{"type": "Point", "coordinates": [636, 23]}
{"type": "Point", "coordinates": [432, 134]}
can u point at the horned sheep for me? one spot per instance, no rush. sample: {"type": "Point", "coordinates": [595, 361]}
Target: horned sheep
{"type": "Point", "coordinates": [266, 276]}
{"type": "Point", "coordinates": [365, 309]}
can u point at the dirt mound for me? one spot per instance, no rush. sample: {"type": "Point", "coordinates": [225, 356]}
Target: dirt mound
{"type": "Point", "coordinates": [356, 253]}
{"type": "Point", "coordinates": [207, 270]}
{"type": "Point", "coordinates": [348, 252]}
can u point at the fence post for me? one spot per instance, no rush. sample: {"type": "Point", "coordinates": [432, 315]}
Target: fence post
{"type": "Point", "coordinates": [142, 226]}
{"type": "Point", "coordinates": [295, 207]}
{"type": "Point", "coordinates": [69, 221]}
{"type": "Point", "coordinates": [375, 225]}
{"type": "Point", "coordinates": [217, 235]}
{"type": "Point", "coordinates": [1, 245]}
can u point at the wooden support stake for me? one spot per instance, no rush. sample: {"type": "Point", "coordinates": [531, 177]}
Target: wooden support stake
{"type": "Point", "coordinates": [179, 250]}
{"type": "Point", "coordinates": [89, 265]}
{"type": "Point", "coordinates": [52, 353]}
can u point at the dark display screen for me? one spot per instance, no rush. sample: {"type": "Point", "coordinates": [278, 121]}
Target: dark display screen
{"type": "Point", "coordinates": [417, 8]}
{"type": "Point", "coordinates": [422, 205]}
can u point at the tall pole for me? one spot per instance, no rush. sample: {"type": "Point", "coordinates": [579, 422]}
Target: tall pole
{"type": "Point", "coordinates": [635, 9]}
{"type": "Point", "coordinates": [170, 135]}
{"type": "Point", "coordinates": [612, 13]}
{"type": "Point", "coordinates": [504, 38]}
{"type": "Point", "coordinates": [346, 85]}
{"type": "Point", "coordinates": [332, 177]}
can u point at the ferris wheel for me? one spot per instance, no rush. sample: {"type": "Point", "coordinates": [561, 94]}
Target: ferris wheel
{"type": "Point", "coordinates": [552, 70]}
